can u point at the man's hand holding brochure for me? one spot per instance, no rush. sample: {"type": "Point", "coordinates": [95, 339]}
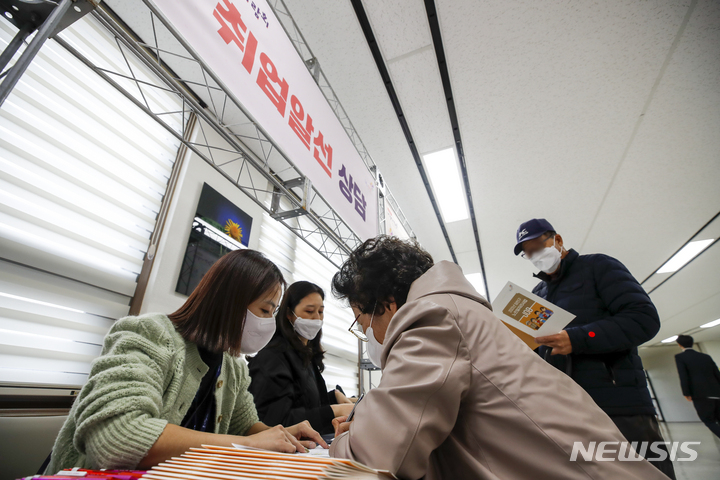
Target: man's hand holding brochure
{"type": "Point", "coordinates": [531, 317]}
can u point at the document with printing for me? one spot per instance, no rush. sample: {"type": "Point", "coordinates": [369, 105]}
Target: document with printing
{"type": "Point", "coordinates": [243, 463]}
{"type": "Point", "coordinates": [528, 315]}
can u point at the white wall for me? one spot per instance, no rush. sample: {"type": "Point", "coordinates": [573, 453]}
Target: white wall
{"type": "Point", "coordinates": [160, 295]}
{"type": "Point", "coordinates": [660, 365]}
{"type": "Point", "coordinates": [712, 349]}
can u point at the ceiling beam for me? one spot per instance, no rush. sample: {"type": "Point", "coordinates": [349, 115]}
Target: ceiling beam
{"type": "Point", "coordinates": [452, 113]}
{"type": "Point", "coordinates": [385, 75]}
{"type": "Point", "coordinates": [681, 247]}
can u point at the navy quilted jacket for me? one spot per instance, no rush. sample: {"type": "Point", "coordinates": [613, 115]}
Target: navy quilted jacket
{"type": "Point", "coordinates": [607, 301]}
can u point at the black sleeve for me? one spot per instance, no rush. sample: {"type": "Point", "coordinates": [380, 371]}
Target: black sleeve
{"type": "Point", "coordinates": [328, 399]}
{"type": "Point", "coordinates": [633, 319]}
{"type": "Point", "coordinates": [716, 372]}
{"type": "Point", "coordinates": [272, 389]}
{"type": "Point", "coordinates": [684, 376]}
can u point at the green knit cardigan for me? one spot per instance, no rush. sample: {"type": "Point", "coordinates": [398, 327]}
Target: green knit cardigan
{"type": "Point", "coordinates": [145, 378]}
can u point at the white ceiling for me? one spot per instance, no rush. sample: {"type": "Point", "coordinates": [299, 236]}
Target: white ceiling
{"type": "Point", "coordinates": [603, 117]}
{"type": "Point", "coordinates": [599, 116]}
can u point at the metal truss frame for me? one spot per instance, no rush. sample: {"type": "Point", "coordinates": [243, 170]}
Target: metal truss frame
{"type": "Point", "coordinates": [249, 158]}
{"type": "Point", "coordinates": [303, 49]}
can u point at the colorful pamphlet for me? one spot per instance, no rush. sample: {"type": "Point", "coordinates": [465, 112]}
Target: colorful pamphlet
{"type": "Point", "coordinates": [529, 316]}
{"type": "Point", "coordinates": [228, 463]}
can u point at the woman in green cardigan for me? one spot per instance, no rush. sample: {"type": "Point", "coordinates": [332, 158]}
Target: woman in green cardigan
{"type": "Point", "coordinates": [166, 383]}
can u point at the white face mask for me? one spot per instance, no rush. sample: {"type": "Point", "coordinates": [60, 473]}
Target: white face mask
{"type": "Point", "coordinates": [306, 327]}
{"type": "Point", "coordinates": [256, 334]}
{"type": "Point", "coordinates": [548, 259]}
{"type": "Point", "coordinates": [374, 348]}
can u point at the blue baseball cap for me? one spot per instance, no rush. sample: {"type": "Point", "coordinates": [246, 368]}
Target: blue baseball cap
{"type": "Point", "coordinates": [531, 229]}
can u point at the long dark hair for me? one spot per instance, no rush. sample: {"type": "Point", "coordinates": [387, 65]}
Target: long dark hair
{"type": "Point", "coordinates": [312, 352]}
{"type": "Point", "coordinates": [213, 316]}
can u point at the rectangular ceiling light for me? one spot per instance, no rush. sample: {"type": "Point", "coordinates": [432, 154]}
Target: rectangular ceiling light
{"type": "Point", "coordinates": [711, 324]}
{"type": "Point", "coordinates": [442, 168]}
{"type": "Point", "coordinates": [687, 253]}
{"type": "Point", "coordinates": [670, 339]}
{"type": "Point", "coordinates": [476, 279]}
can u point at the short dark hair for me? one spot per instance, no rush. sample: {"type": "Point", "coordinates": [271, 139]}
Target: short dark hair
{"type": "Point", "coordinates": [685, 341]}
{"type": "Point", "coordinates": [381, 268]}
{"type": "Point", "coordinates": [213, 317]}
{"type": "Point", "coordinates": [312, 352]}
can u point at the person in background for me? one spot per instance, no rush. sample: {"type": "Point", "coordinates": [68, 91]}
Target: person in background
{"type": "Point", "coordinates": [598, 349]}
{"type": "Point", "coordinates": [460, 395]}
{"type": "Point", "coordinates": [287, 382]}
{"type": "Point", "coordinates": [166, 383]}
{"type": "Point", "coordinates": [700, 382]}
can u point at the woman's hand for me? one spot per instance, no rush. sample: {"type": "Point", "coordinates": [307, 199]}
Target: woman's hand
{"type": "Point", "coordinates": [342, 410]}
{"type": "Point", "coordinates": [303, 430]}
{"type": "Point", "coordinates": [278, 439]}
{"type": "Point", "coordinates": [341, 426]}
{"type": "Point", "coordinates": [341, 398]}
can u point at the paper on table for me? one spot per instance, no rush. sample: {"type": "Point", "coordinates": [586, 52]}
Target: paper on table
{"type": "Point", "coordinates": [213, 462]}
{"type": "Point", "coordinates": [529, 316]}
{"type": "Point", "coordinates": [317, 452]}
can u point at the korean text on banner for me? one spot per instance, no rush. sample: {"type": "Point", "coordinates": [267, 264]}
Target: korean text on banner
{"type": "Point", "coordinates": [245, 45]}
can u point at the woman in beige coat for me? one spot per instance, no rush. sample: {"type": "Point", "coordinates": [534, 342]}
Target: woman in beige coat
{"type": "Point", "coordinates": [460, 395]}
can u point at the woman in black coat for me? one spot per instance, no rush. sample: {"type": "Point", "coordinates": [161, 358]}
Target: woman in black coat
{"type": "Point", "coordinates": [286, 375]}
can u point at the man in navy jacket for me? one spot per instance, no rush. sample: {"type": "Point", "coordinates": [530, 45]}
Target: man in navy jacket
{"type": "Point", "coordinates": [700, 382]}
{"type": "Point", "coordinates": [598, 349]}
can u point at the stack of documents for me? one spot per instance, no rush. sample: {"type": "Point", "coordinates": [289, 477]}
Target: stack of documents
{"type": "Point", "coordinates": [246, 463]}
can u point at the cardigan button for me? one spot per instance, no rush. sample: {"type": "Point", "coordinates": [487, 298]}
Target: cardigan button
{"type": "Point", "coordinates": [219, 419]}
{"type": "Point", "coordinates": [220, 384]}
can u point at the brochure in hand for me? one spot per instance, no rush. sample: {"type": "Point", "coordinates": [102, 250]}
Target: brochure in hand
{"type": "Point", "coordinates": [528, 315]}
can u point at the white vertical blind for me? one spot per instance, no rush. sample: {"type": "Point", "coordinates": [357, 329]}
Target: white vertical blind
{"type": "Point", "coordinates": [82, 175]}
{"type": "Point", "coordinates": [298, 261]}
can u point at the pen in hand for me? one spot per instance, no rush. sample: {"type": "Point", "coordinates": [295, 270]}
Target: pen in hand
{"type": "Point", "coordinates": [352, 412]}
{"type": "Point", "coordinates": [343, 425]}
